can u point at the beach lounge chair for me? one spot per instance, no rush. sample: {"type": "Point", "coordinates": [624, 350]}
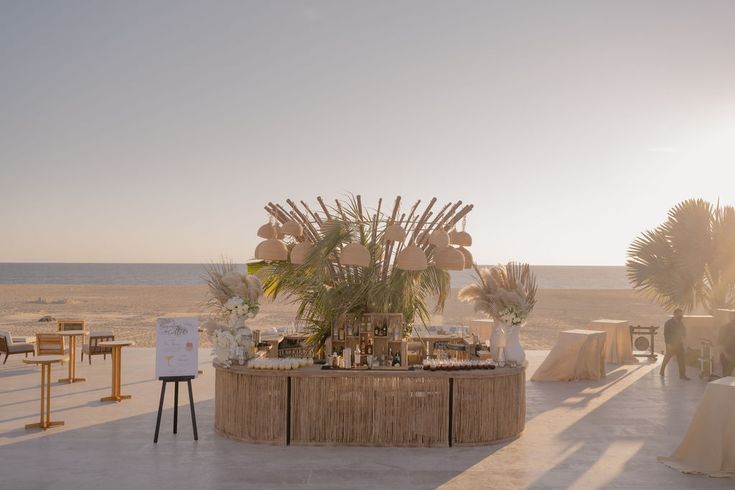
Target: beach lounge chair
{"type": "Point", "coordinates": [9, 346]}
{"type": "Point", "coordinates": [92, 349]}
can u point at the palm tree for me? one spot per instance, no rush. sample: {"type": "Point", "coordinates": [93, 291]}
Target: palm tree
{"type": "Point", "coordinates": [689, 260]}
{"type": "Point", "coordinates": [324, 290]}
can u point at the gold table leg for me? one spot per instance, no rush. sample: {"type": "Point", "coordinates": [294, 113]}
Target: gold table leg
{"type": "Point", "coordinates": [72, 362]}
{"type": "Point", "coordinates": [116, 377]}
{"type": "Point", "coordinates": [46, 422]}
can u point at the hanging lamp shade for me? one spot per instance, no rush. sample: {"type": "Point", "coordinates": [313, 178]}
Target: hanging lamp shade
{"type": "Point", "coordinates": [355, 254]}
{"type": "Point", "coordinates": [468, 260]}
{"type": "Point", "coordinates": [271, 249]}
{"type": "Point", "coordinates": [411, 258]}
{"type": "Point", "coordinates": [452, 235]}
{"type": "Point", "coordinates": [423, 238]}
{"type": "Point", "coordinates": [439, 238]}
{"type": "Point", "coordinates": [300, 252]}
{"type": "Point", "coordinates": [461, 238]}
{"type": "Point", "coordinates": [394, 233]}
{"type": "Point", "coordinates": [279, 231]}
{"type": "Point", "coordinates": [268, 231]}
{"type": "Point", "coordinates": [449, 258]}
{"type": "Point", "coordinates": [292, 228]}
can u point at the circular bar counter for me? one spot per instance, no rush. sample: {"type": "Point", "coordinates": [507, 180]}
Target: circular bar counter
{"type": "Point", "coordinates": [390, 407]}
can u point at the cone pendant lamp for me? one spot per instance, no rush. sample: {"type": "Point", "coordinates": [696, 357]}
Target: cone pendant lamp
{"type": "Point", "coordinates": [355, 254]}
{"type": "Point", "coordinates": [268, 231]}
{"type": "Point", "coordinates": [292, 228]}
{"type": "Point", "coordinates": [411, 258]}
{"type": "Point", "coordinates": [449, 258]}
{"type": "Point", "coordinates": [462, 238]}
{"type": "Point", "coordinates": [394, 233]}
{"type": "Point", "coordinates": [271, 249]}
{"type": "Point", "coordinates": [439, 238]}
{"type": "Point", "coordinates": [300, 252]}
{"type": "Point", "coordinates": [468, 260]}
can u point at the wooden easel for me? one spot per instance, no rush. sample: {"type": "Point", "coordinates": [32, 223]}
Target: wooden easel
{"type": "Point", "coordinates": [177, 380]}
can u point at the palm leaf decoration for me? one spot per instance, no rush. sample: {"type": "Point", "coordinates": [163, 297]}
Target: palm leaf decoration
{"type": "Point", "coordinates": [689, 260]}
{"type": "Point", "coordinates": [502, 286]}
{"type": "Point", "coordinates": [324, 290]}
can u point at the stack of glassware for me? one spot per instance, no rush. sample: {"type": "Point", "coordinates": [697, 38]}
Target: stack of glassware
{"type": "Point", "coordinates": [457, 365]}
{"type": "Point", "coordinates": [285, 364]}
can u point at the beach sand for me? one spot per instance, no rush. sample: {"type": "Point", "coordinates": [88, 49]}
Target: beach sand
{"type": "Point", "coordinates": [131, 311]}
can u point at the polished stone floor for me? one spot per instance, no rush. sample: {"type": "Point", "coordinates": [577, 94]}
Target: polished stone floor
{"type": "Point", "coordinates": [582, 435]}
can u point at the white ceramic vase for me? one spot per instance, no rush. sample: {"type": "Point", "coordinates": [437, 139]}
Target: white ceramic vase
{"type": "Point", "coordinates": [513, 348]}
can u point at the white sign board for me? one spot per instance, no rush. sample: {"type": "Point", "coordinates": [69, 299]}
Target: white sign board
{"type": "Point", "coordinates": [177, 343]}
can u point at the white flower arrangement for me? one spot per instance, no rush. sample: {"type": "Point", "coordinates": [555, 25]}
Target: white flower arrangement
{"type": "Point", "coordinates": [512, 315]}
{"type": "Point", "coordinates": [230, 343]}
{"type": "Point", "coordinates": [235, 296]}
{"type": "Point", "coordinates": [236, 309]}
{"type": "Point", "coordinates": [506, 293]}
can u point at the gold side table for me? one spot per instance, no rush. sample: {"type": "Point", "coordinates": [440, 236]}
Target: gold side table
{"type": "Point", "coordinates": [116, 346]}
{"type": "Point", "coordinates": [72, 334]}
{"type": "Point", "coordinates": [45, 363]}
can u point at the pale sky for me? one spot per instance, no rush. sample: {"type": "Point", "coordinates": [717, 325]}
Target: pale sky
{"type": "Point", "coordinates": [156, 131]}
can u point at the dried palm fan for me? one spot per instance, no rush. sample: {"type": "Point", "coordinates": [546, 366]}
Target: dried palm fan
{"type": "Point", "coordinates": [271, 249]}
{"type": "Point", "coordinates": [449, 258]}
{"type": "Point", "coordinates": [355, 254]}
{"type": "Point", "coordinates": [300, 252]}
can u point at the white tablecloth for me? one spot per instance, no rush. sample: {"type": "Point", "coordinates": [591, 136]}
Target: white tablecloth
{"type": "Point", "coordinates": [578, 354]}
{"type": "Point", "coordinates": [708, 446]}
{"type": "Point", "coordinates": [618, 347]}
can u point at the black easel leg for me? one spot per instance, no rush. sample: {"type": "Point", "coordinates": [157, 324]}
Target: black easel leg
{"type": "Point", "coordinates": [160, 409]}
{"type": "Point", "coordinates": [193, 415]}
{"type": "Point", "coordinates": [176, 405]}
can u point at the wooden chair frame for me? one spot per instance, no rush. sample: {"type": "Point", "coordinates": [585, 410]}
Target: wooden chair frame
{"type": "Point", "coordinates": [94, 349]}
{"type": "Point", "coordinates": [49, 338]}
{"type": "Point", "coordinates": [4, 347]}
{"type": "Point", "coordinates": [63, 325]}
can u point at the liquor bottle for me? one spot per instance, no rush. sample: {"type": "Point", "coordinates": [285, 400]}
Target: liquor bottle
{"type": "Point", "coordinates": [397, 360]}
{"type": "Point", "coordinates": [376, 331]}
{"type": "Point", "coordinates": [341, 334]}
{"type": "Point", "coordinates": [358, 353]}
{"type": "Point", "coordinates": [369, 349]}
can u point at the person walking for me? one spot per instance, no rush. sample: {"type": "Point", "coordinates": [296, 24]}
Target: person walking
{"type": "Point", "coordinates": [674, 335]}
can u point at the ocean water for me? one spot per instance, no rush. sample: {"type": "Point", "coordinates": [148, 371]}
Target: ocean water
{"type": "Point", "coordinates": [548, 276]}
